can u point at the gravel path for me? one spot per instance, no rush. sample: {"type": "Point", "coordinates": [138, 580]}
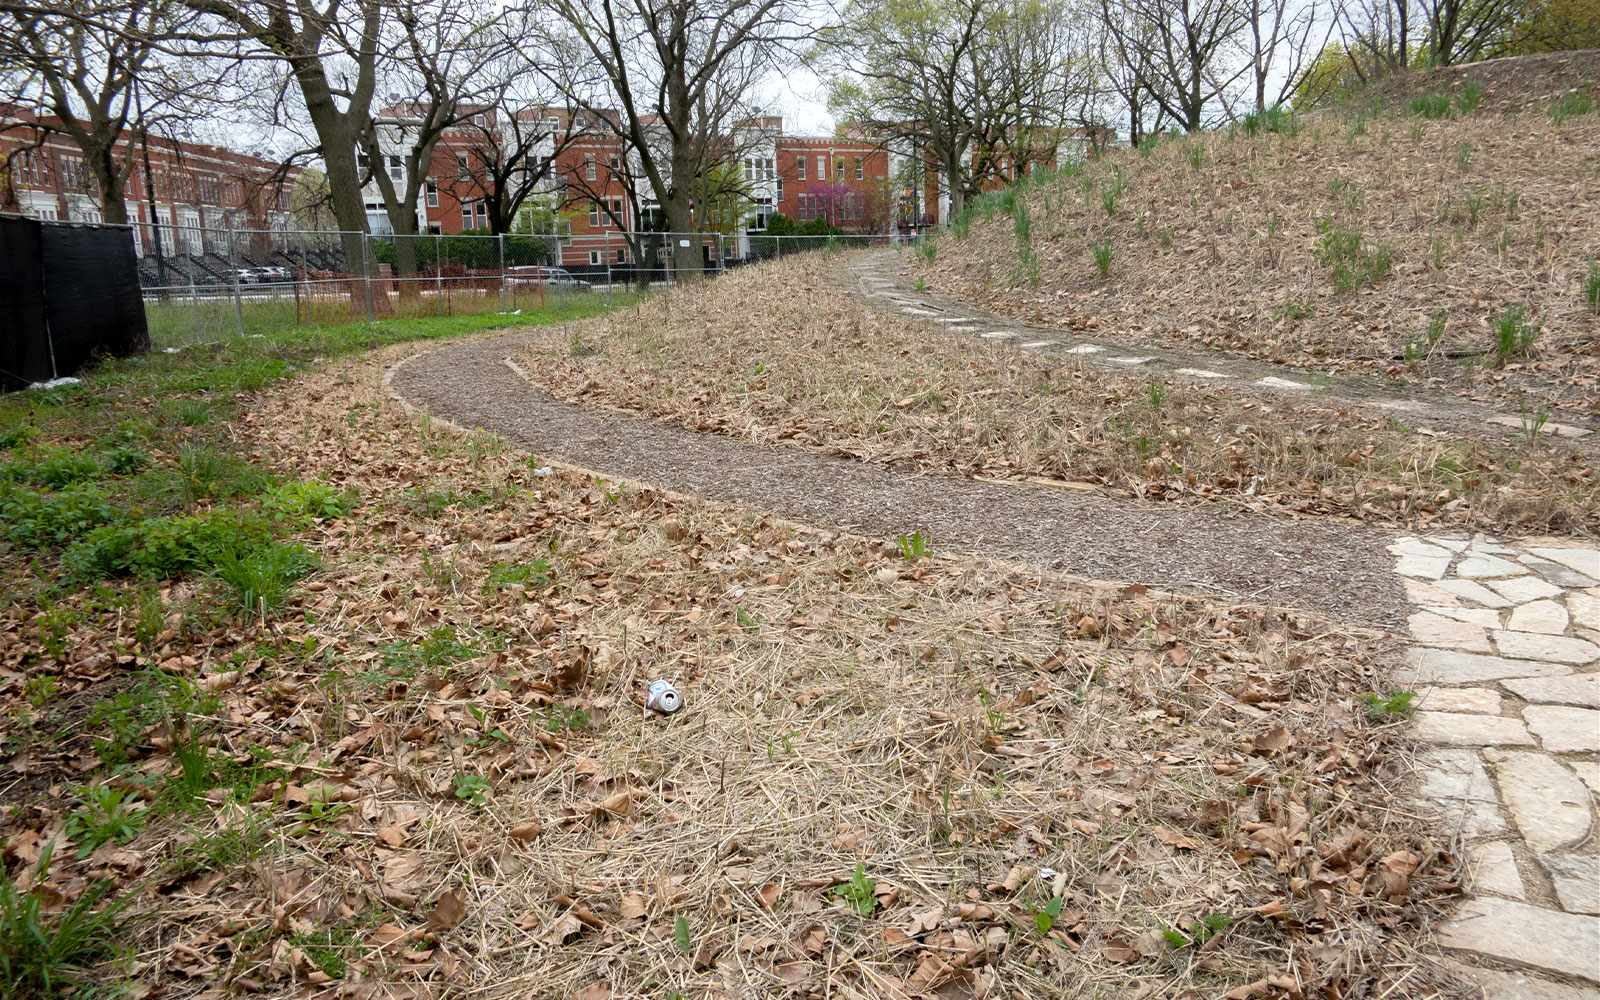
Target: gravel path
{"type": "Point", "coordinates": [1334, 568]}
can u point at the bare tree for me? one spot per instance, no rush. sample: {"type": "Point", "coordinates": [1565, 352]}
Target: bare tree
{"type": "Point", "coordinates": [1186, 50]}
{"type": "Point", "coordinates": [664, 74]}
{"type": "Point", "coordinates": [97, 73]}
{"type": "Point", "coordinates": [1280, 45]}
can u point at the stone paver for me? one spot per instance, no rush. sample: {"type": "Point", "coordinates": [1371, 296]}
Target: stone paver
{"type": "Point", "coordinates": [1534, 883]}
{"type": "Point", "coordinates": [1582, 690]}
{"type": "Point", "coordinates": [1546, 800]}
{"type": "Point", "coordinates": [1539, 616]}
{"type": "Point", "coordinates": [1563, 729]}
{"type": "Point", "coordinates": [1567, 943]}
{"type": "Point", "coordinates": [1549, 648]}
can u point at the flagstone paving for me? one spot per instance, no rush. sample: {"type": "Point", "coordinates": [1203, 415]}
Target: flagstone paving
{"type": "Point", "coordinates": [1506, 672]}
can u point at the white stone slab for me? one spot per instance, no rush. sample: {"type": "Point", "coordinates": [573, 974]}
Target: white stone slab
{"type": "Point", "coordinates": [1448, 666]}
{"type": "Point", "coordinates": [1456, 729]}
{"type": "Point", "coordinates": [1588, 772]}
{"type": "Point", "coordinates": [1585, 609]}
{"type": "Point", "coordinates": [1577, 880]}
{"type": "Point", "coordinates": [1561, 576]}
{"type": "Point", "coordinates": [1525, 935]}
{"type": "Point", "coordinates": [1084, 349]}
{"type": "Point", "coordinates": [1481, 617]}
{"type": "Point", "coordinates": [1488, 567]}
{"type": "Point", "coordinates": [1522, 589]}
{"type": "Point", "coordinates": [1581, 690]}
{"type": "Point", "coordinates": [1130, 360]}
{"type": "Point", "coordinates": [1423, 567]}
{"type": "Point", "coordinates": [1199, 373]}
{"type": "Point", "coordinates": [1274, 382]}
{"type": "Point", "coordinates": [913, 311]}
{"type": "Point", "coordinates": [1474, 592]}
{"type": "Point", "coordinates": [1034, 345]}
{"type": "Point", "coordinates": [1479, 701]}
{"type": "Point", "coordinates": [998, 335]}
{"type": "Point", "coordinates": [1547, 617]}
{"type": "Point", "coordinates": [1547, 801]}
{"type": "Point", "coordinates": [1448, 633]}
{"type": "Point", "coordinates": [1584, 560]}
{"type": "Point", "coordinates": [1552, 648]}
{"type": "Point", "coordinates": [1563, 728]}
{"type": "Point", "coordinates": [1455, 784]}
{"type": "Point", "coordinates": [1429, 596]}
{"type": "Point", "coordinates": [1497, 985]}
{"type": "Point", "coordinates": [1493, 869]}
{"type": "Point", "coordinates": [1454, 543]}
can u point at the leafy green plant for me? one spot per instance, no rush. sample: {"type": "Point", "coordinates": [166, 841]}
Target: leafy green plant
{"type": "Point", "coordinates": [1353, 263]}
{"type": "Point", "coordinates": [105, 815]}
{"type": "Point", "coordinates": [1104, 254]}
{"type": "Point", "coordinates": [1157, 393]}
{"type": "Point", "coordinates": [1568, 105]}
{"type": "Point", "coordinates": [1514, 334]}
{"type": "Point", "coordinates": [751, 623]}
{"type": "Point", "coordinates": [262, 577]}
{"type": "Point", "coordinates": [1430, 106]}
{"type": "Point", "coordinates": [192, 412]}
{"type": "Point", "coordinates": [533, 575]}
{"type": "Point", "coordinates": [441, 647]}
{"type": "Point", "coordinates": [166, 547]}
{"type": "Point", "coordinates": [1532, 421]}
{"type": "Point", "coordinates": [922, 284]}
{"type": "Point", "coordinates": [126, 461]}
{"type": "Point", "coordinates": [1046, 917]}
{"type": "Point", "coordinates": [912, 546]}
{"type": "Point", "coordinates": [565, 718]}
{"type": "Point", "coordinates": [302, 503]}
{"type": "Point", "coordinates": [1396, 704]}
{"type": "Point", "coordinates": [472, 788]}
{"type": "Point", "coordinates": [47, 954]}
{"type": "Point", "coordinates": [680, 933]}
{"type": "Point", "coordinates": [1470, 96]}
{"type": "Point", "coordinates": [1591, 286]}
{"type": "Point", "coordinates": [1293, 310]}
{"type": "Point", "coordinates": [860, 891]}
{"type": "Point", "coordinates": [1147, 143]}
{"type": "Point", "coordinates": [42, 519]}
{"type": "Point", "coordinates": [1201, 931]}
{"type": "Point", "coordinates": [17, 434]}
{"type": "Point", "coordinates": [927, 249]}
{"type": "Point", "coordinates": [54, 467]}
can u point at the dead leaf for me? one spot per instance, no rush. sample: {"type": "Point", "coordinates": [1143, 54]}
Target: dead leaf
{"type": "Point", "coordinates": [391, 836]}
{"type": "Point", "coordinates": [768, 895]}
{"type": "Point", "coordinates": [449, 911]}
{"type": "Point", "coordinates": [632, 907]}
{"type": "Point", "coordinates": [1174, 839]}
{"type": "Point", "coordinates": [594, 991]}
{"type": "Point", "coordinates": [524, 832]}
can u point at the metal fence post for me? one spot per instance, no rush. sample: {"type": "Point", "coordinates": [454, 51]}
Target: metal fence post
{"type": "Point", "coordinates": [608, 268]}
{"type": "Point", "coordinates": [194, 301]}
{"type": "Point", "coordinates": [438, 271]}
{"type": "Point", "coordinates": [233, 259]}
{"type": "Point", "coordinates": [502, 272]}
{"type": "Point", "coordinates": [367, 261]}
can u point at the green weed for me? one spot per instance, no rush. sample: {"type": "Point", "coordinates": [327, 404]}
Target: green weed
{"type": "Point", "coordinates": [49, 953]}
{"type": "Point", "coordinates": [105, 815]}
{"type": "Point", "coordinates": [1470, 96]}
{"type": "Point", "coordinates": [912, 546]}
{"type": "Point", "coordinates": [860, 891]}
{"type": "Point", "coordinates": [1430, 106]}
{"type": "Point", "coordinates": [1046, 917]}
{"type": "Point", "coordinates": [1104, 254]}
{"type": "Point", "coordinates": [1591, 286]}
{"type": "Point", "coordinates": [260, 578]}
{"type": "Point", "coordinates": [472, 788]}
{"type": "Point", "coordinates": [1514, 334]}
{"type": "Point", "coordinates": [1568, 105]}
{"type": "Point", "coordinates": [1396, 704]}
{"type": "Point", "coordinates": [532, 575]}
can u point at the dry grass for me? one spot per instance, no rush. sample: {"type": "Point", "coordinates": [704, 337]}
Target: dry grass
{"type": "Point", "coordinates": [953, 726]}
{"type": "Point", "coordinates": [820, 370]}
{"type": "Point", "coordinates": [1215, 241]}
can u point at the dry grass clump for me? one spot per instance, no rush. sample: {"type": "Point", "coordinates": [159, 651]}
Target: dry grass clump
{"type": "Point", "coordinates": [821, 371]}
{"type": "Point", "coordinates": [453, 785]}
{"type": "Point", "coordinates": [1371, 238]}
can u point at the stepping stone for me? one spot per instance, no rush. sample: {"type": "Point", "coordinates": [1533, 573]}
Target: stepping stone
{"type": "Point", "coordinates": [1454, 543]}
{"type": "Point", "coordinates": [999, 335]}
{"type": "Point", "coordinates": [1448, 666]}
{"type": "Point", "coordinates": [1564, 729]}
{"type": "Point", "coordinates": [1550, 426]}
{"type": "Point", "coordinates": [1498, 985]}
{"type": "Point", "coordinates": [1484, 617]}
{"type": "Point", "coordinates": [1456, 784]}
{"type": "Point", "coordinates": [1494, 869]}
{"type": "Point", "coordinates": [1130, 361]}
{"type": "Point", "coordinates": [1482, 701]}
{"type": "Point", "coordinates": [1033, 345]}
{"type": "Point", "coordinates": [1585, 610]}
{"type": "Point", "coordinates": [1477, 593]}
{"type": "Point", "coordinates": [1483, 543]}
{"type": "Point", "coordinates": [1199, 373]}
{"type": "Point", "coordinates": [1423, 567]}
{"type": "Point", "coordinates": [1521, 589]}
{"type": "Point", "coordinates": [1547, 617]}
{"type": "Point", "coordinates": [1554, 648]}
{"type": "Point", "coordinates": [1274, 382]}
{"type": "Point", "coordinates": [1588, 773]}
{"type": "Point", "coordinates": [1453, 729]}
{"type": "Point", "coordinates": [1585, 561]}
{"type": "Point", "coordinates": [1564, 943]}
{"type": "Point", "coordinates": [1561, 576]}
{"type": "Point", "coordinates": [911, 311]}
{"type": "Point", "coordinates": [1484, 566]}
{"type": "Point", "coordinates": [1548, 803]}
{"type": "Point", "coordinates": [954, 319]}
{"type": "Point", "coordinates": [1449, 633]}
{"type": "Point", "coordinates": [1577, 880]}
{"type": "Point", "coordinates": [1084, 349]}
{"type": "Point", "coordinates": [1428, 595]}
{"type": "Point", "coordinates": [1408, 546]}
{"type": "Point", "coordinates": [1582, 690]}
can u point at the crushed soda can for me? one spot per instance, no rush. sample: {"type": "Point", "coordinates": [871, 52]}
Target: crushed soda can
{"type": "Point", "coordinates": [663, 698]}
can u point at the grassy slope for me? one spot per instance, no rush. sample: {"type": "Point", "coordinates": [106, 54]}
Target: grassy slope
{"type": "Point", "coordinates": [1215, 240]}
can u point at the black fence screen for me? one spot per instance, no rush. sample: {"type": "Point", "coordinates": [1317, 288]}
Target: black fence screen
{"type": "Point", "coordinates": [67, 294]}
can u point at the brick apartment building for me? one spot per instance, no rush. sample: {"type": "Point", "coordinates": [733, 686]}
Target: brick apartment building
{"type": "Point", "coordinates": [198, 189]}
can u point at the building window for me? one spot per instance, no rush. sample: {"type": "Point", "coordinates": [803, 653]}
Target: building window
{"type": "Point", "coordinates": [780, 188]}
{"type": "Point", "coordinates": [594, 257]}
{"type": "Point", "coordinates": [433, 192]}
{"type": "Point", "coordinates": [463, 172]}
{"type": "Point", "coordinates": [763, 213]}
{"type": "Point", "coordinates": [479, 120]}
{"type": "Point", "coordinates": [838, 169]}
{"type": "Point", "coordinates": [801, 206]}
{"type": "Point", "coordinates": [483, 214]}
{"type": "Point", "coordinates": [822, 168]}
{"type": "Point", "coordinates": [799, 168]}
{"type": "Point", "coordinates": [622, 256]}
{"type": "Point", "coordinates": [614, 162]}
{"type": "Point", "coordinates": [594, 214]}
{"type": "Point", "coordinates": [588, 166]}
{"type": "Point", "coordinates": [859, 169]}
{"type": "Point", "coordinates": [466, 215]}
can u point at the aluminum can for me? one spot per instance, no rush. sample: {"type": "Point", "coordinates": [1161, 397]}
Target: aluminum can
{"type": "Point", "coordinates": [663, 698]}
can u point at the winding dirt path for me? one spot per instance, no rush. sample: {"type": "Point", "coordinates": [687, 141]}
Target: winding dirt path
{"type": "Point", "coordinates": [1334, 568]}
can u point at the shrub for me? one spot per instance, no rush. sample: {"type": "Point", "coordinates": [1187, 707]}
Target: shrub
{"type": "Point", "coordinates": [42, 519]}
{"type": "Point", "coordinates": [52, 467]}
{"type": "Point", "coordinates": [125, 461]}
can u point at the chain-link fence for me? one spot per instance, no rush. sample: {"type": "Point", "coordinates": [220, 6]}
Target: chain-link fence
{"type": "Point", "coordinates": [204, 284]}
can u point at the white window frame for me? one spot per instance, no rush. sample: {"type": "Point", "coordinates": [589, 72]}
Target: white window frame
{"type": "Point", "coordinates": [588, 167]}
{"type": "Point", "coordinates": [594, 258]}
{"type": "Point", "coordinates": [594, 214]}
{"type": "Point", "coordinates": [800, 168]}
{"type": "Point", "coordinates": [860, 169]}
{"type": "Point", "coordinates": [463, 168]}
{"type": "Point", "coordinates": [432, 188]}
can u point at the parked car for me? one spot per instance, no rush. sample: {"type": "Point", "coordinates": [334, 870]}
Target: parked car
{"type": "Point", "coordinates": [537, 275]}
{"type": "Point", "coordinates": [245, 276]}
{"type": "Point", "coordinates": [273, 274]}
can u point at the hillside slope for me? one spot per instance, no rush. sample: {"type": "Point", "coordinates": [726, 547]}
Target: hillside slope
{"type": "Point", "coordinates": [1419, 236]}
